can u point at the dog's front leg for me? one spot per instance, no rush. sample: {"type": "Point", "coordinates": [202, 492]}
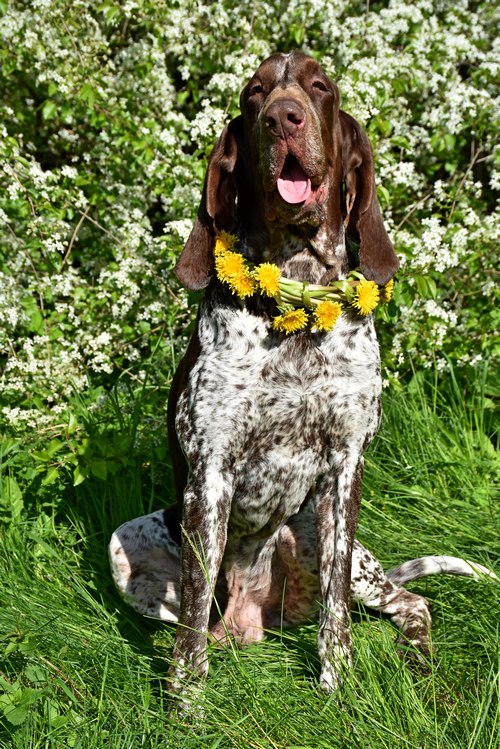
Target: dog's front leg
{"type": "Point", "coordinates": [207, 504]}
{"type": "Point", "coordinates": [337, 506]}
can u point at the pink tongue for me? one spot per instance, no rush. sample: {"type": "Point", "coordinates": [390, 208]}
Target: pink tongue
{"type": "Point", "coordinates": [293, 185]}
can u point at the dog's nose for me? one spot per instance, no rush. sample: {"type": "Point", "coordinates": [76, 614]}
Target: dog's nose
{"type": "Point", "coordinates": [284, 117]}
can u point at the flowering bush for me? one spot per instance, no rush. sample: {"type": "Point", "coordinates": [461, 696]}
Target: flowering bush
{"type": "Point", "coordinates": [109, 111]}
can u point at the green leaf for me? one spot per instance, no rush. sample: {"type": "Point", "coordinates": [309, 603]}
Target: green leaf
{"type": "Point", "coordinates": [88, 94]}
{"type": "Point", "coordinates": [45, 455]}
{"type": "Point", "coordinates": [72, 424]}
{"type": "Point", "coordinates": [385, 126]}
{"type": "Point", "coordinates": [52, 448]}
{"type": "Point", "coordinates": [42, 455]}
{"type": "Point", "coordinates": [67, 691]}
{"type": "Point", "coordinates": [16, 715]}
{"type": "Point", "coordinates": [25, 698]}
{"type": "Point", "coordinates": [449, 141]}
{"type": "Point", "coordinates": [12, 498]}
{"type": "Point", "coordinates": [36, 674]}
{"type": "Point", "coordinates": [80, 474]}
{"type": "Point", "coordinates": [7, 445]}
{"type": "Point", "coordinates": [400, 141]}
{"type": "Point", "coordinates": [297, 33]}
{"type": "Point", "coordinates": [5, 685]}
{"type": "Point", "coordinates": [110, 12]}
{"type": "Point", "coordinates": [384, 194]}
{"type": "Point", "coordinates": [49, 110]}
{"type": "Point", "coordinates": [432, 287]}
{"type": "Point", "coordinates": [99, 468]}
{"type": "Point", "coordinates": [51, 476]}
{"type": "Point", "coordinates": [426, 287]}
{"type": "Point", "coordinates": [35, 320]}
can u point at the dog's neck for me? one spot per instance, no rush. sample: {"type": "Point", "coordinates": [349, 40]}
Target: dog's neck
{"type": "Point", "coordinates": [303, 252]}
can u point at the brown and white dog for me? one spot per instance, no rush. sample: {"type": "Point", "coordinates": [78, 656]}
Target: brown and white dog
{"type": "Point", "coordinates": [267, 431]}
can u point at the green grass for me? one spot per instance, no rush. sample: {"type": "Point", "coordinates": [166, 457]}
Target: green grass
{"type": "Point", "coordinates": [78, 668]}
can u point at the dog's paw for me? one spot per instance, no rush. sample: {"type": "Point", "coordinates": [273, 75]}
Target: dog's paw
{"type": "Point", "coordinates": [226, 633]}
{"type": "Point", "coordinates": [187, 706]}
{"type": "Point", "coordinates": [185, 691]}
{"type": "Point", "coordinates": [334, 668]}
{"type": "Point", "coordinates": [416, 653]}
{"type": "Point", "coordinates": [330, 680]}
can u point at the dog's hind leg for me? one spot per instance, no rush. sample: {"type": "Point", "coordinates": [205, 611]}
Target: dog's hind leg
{"type": "Point", "coordinates": [410, 612]}
{"type": "Point", "coordinates": [145, 565]}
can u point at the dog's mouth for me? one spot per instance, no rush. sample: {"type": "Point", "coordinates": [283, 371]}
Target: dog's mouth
{"type": "Point", "coordinates": [294, 189]}
{"type": "Point", "coordinates": [294, 186]}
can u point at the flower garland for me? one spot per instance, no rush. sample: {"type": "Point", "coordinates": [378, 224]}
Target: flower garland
{"type": "Point", "coordinates": [300, 304]}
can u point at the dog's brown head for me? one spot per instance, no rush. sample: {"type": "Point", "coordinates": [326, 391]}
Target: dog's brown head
{"type": "Point", "coordinates": [291, 162]}
{"type": "Point", "coordinates": [290, 109]}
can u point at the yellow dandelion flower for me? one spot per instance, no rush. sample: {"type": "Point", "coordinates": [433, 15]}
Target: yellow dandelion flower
{"type": "Point", "coordinates": [229, 264]}
{"type": "Point", "coordinates": [268, 276]}
{"type": "Point", "coordinates": [243, 284]}
{"type": "Point", "coordinates": [387, 291]}
{"type": "Point", "coordinates": [224, 243]}
{"type": "Point", "coordinates": [367, 297]}
{"type": "Point", "coordinates": [232, 270]}
{"type": "Point", "coordinates": [291, 321]}
{"type": "Point", "coordinates": [326, 315]}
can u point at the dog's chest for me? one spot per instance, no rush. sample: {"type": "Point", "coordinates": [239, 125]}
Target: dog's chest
{"type": "Point", "coordinates": [272, 416]}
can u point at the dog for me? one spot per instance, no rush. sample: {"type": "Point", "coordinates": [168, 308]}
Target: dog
{"type": "Point", "coordinates": [267, 426]}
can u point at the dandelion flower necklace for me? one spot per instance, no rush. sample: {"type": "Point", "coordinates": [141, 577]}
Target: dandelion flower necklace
{"type": "Point", "coordinates": [301, 304]}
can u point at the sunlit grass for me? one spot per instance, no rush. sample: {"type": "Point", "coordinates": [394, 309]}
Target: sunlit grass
{"type": "Point", "coordinates": [81, 669]}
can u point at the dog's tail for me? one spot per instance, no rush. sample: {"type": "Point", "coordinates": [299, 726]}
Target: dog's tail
{"type": "Point", "coordinates": [435, 565]}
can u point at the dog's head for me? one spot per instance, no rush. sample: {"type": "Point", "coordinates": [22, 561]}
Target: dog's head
{"type": "Point", "coordinates": [291, 159]}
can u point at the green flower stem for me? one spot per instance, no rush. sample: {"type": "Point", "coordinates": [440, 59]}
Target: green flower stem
{"type": "Point", "coordinates": [293, 293]}
{"type": "Point", "coordinates": [297, 299]}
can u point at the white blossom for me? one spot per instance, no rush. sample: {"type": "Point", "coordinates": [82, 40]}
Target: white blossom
{"type": "Point", "coordinates": [97, 203]}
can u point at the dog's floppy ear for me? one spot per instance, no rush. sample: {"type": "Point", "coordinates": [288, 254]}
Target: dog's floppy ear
{"type": "Point", "coordinates": [364, 222]}
{"type": "Point", "coordinates": [216, 212]}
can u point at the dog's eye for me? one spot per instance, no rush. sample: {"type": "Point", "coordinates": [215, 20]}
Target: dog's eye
{"type": "Point", "coordinates": [256, 89]}
{"type": "Point", "coordinates": [319, 85]}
